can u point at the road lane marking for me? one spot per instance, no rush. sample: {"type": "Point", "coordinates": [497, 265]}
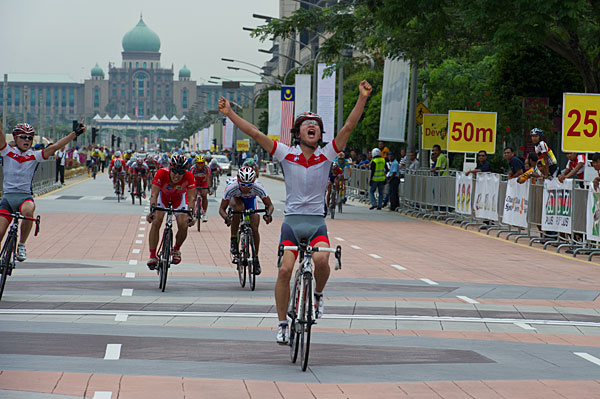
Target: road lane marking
{"type": "Point", "coordinates": [588, 357]}
{"type": "Point", "coordinates": [113, 352]}
{"type": "Point", "coordinates": [428, 281]}
{"type": "Point", "coordinates": [127, 292]}
{"type": "Point", "coordinates": [399, 267]}
{"type": "Point", "coordinates": [138, 241]}
{"type": "Point", "coordinates": [136, 251]}
{"type": "Point", "coordinates": [121, 317]}
{"type": "Point", "coordinates": [143, 217]}
{"type": "Point", "coordinates": [133, 262]}
{"type": "Point", "coordinates": [140, 235]}
{"type": "Point", "coordinates": [102, 395]}
{"type": "Point", "coordinates": [524, 326]}
{"type": "Point", "coordinates": [466, 299]}
{"type": "Point", "coordinates": [142, 229]}
{"type": "Point", "coordinates": [355, 246]}
{"type": "Point", "coordinates": [375, 256]}
{"type": "Point", "coordinates": [339, 239]}
{"type": "Point", "coordinates": [130, 275]}
{"type": "Point", "coordinates": [143, 222]}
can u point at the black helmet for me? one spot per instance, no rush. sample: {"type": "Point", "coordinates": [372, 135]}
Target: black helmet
{"type": "Point", "coordinates": [178, 162]}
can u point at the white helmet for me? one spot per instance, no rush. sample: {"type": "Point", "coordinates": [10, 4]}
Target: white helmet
{"type": "Point", "coordinates": [246, 175]}
{"type": "Point", "coordinates": [376, 152]}
{"type": "Point", "coordinates": [117, 154]}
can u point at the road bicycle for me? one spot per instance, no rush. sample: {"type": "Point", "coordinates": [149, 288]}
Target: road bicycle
{"type": "Point", "coordinates": [8, 255]}
{"type": "Point", "coordinates": [246, 257]}
{"type": "Point", "coordinates": [199, 210]}
{"type": "Point", "coordinates": [336, 199]}
{"type": "Point", "coordinates": [117, 186]}
{"type": "Point", "coordinates": [301, 309]}
{"type": "Point", "coordinates": [165, 249]}
{"type": "Point", "coordinates": [95, 169]}
{"type": "Point", "coordinates": [137, 189]}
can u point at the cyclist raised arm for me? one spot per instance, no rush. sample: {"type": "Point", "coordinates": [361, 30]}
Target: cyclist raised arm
{"type": "Point", "coordinates": [303, 162]}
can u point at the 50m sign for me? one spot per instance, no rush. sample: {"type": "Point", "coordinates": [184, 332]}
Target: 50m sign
{"type": "Point", "coordinates": [581, 122]}
{"type": "Point", "coordinates": [471, 131]}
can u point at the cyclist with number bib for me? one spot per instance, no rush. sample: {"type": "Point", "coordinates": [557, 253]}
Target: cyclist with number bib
{"type": "Point", "coordinates": [117, 169]}
{"type": "Point", "coordinates": [548, 167]}
{"type": "Point", "coordinates": [203, 177]}
{"type": "Point", "coordinates": [241, 194]}
{"type": "Point", "coordinates": [19, 165]}
{"type": "Point", "coordinates": [175, 185]}
{"type": "Point", "coordinates": [306, 168]}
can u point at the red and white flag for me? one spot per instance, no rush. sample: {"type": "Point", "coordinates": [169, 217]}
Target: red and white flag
{"type": "Point", "coordinates": [287, 114]}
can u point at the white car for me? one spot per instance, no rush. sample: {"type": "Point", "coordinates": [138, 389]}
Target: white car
{"type": "Point", "coordinates": [224, 163]}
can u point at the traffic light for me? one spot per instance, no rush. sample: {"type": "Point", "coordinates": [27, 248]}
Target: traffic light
{"type": "Point", "coordinates": [118, 142]}
{"type": "Point", "coordinates": [112, 141]}
{"type": "Point", "coordinates": [94, 134]}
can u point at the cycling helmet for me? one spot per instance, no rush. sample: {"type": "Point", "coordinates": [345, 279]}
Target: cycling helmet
{"type": "Point", "coordinates": [249, 162]}
{"type": "Point", "coordinates": [246, 175]}
{"type": "Point", "coordinates": [200, 159]}
{"type": "Point", "coordinates": [536, 132]}
{"type": "Point", "coordinates": [24, 128]}
{"type": "Point", "coordinates": [139, 160]}
{"type": "Point", "coordinates": [304, 116]}
{"type": "Point", "coordinates": [117, 154]}
{"type": "Point", "coordinates": [376, 152]}
{"type": "Point", "coordinates": [178, 162]}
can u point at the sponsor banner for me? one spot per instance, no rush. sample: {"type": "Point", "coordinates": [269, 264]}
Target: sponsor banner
{"type": "Point", "coordinates": [471, 131]}
{"type": "Point", "coordinates": [243, 145]}
{"type": "Point", "coordinates": [516, 203]}
{"type": "Point", "coordinates": [434, 131]}
{"type": "Point", "coordinates": [211, 137]}
{"type": "Point", "coordinates": [486, 196]}
{"type": "Point", "coordinates": [580, 126]}
{"type": "Point", "coordinates": [228, 133]}
{"type": "Point", "coordinates": [273, 136]}
{"type": "Point", "coordinates": [302, 85]}
{"type": "Point", "coordinates": [326, 102]}
{"type": "Point", "coordinates": [274, 112]}
{"type": "Point", "coordinates": [205, 140]}
{"type": "Point", "coordinates": [593, 215]}
{"type": "Point", "coordinates": [464, 186]}
{"type": "Point", "coordinates": [557, 214]}
{"type": "Point", "coordinates": [394, 100]}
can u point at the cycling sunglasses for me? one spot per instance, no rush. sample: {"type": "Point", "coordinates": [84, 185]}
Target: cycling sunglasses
{"type": "Point", "coordinates": [308, 122]}
{"type": "Point", "coordinates": [178, 171]}
{"type": "Point", "coordinates": [25, 137]}
{"type": "Point", "coordinates": [246, 185]}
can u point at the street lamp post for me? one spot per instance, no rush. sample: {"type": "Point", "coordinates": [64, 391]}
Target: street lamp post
{"type": "Point", "coordinates": [255, 73]}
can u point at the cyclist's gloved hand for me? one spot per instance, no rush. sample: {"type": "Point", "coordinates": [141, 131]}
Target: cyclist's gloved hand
{"type": "Point", "coordinates": [80, 129]}
{"type": "Point", "coordinates": [268, 218]}
{"type": "Point", "coordinates": [149, 217]}
{"type": "Point", "coordinates": [191, 221]}
{"type": "Point", "coordinates": [228, 221]}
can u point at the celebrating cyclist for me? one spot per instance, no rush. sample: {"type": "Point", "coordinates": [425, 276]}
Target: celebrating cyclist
{"type": "Point", "coordinates": [306, 168]}
{"type": "Point", "coordinates": [117, 170]}
{"type": "Point", "coordinates": [203, 177]}
{"type": "Point", "coordinates": [171, 186]}
{"type": "Point", "coordinates": [19, 165]}
{"type": "Point", "coordinates": [240, 195]}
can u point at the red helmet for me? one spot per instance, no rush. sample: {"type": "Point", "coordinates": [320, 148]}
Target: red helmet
{"type": "Point", "coordinates": [304, 116]}
{"type": "Point", "coordinates": [24, 128]}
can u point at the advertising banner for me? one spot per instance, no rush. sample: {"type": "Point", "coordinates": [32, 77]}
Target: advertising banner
{"type": "Point", "coordinates": [302, 85]}
{"type": "Point", "coordinates": [205, 140]}
{"type": "Point", "coordinates": [243, 145]}
{"type": "Point", "coordinates": [434, 131]}
{"type": "Point", "coordinates": [228, 127]}
{"type": "Point", "coordinates": [593, 215]}
{"type": "Point", "coordinates": [394, 100]}
{"type": "Point", "coordinates": [557, 213]}
{"type": "Point", "coordinates": [516, 203]}
{"type": "Point", "coordinates": [464, 185]}
{"type": "Point", "coordinates": [471, 131]}
{"type": "Point", "coordinates": [326, 102]}
{"type": "Point", "coordinates": [486, 196]}
{"type": "Point", "coordinates": [581, 127]}
{"type": "Point", "coordinates": [274, 112]}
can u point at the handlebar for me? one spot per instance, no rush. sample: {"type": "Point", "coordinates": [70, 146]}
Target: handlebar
{"type": "Point", "coordinates": [37, 219]}
{"type": "Point", "coordinates": [310, 249]}
{"type": "Point", "coordinates": [248, 211]}
{"type": "Point", "coordinates": [170, 210]}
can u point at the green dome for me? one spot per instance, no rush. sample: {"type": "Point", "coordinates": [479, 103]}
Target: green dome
{"type": "Point", "coordinates": [141, 38]}
{"type": "Point", "coordinates": [97, 71]}
{"type": "Point", "coordinates": [184, 72]}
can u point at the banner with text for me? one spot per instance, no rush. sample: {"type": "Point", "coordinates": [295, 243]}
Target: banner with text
{"type": "Point", "coordinates": [302, 93]}
{"type": "Point", "coordinates": [464, 185]}
{"type": "Point", "coordinates": [228, 126]}
{"type": "Point", "coordinates": [486, 196]}
{"type": "Point", "coordinates": [205, 143]}
{"type": "Point", "coordinates": [434, 131]}
{"type": "Point", "coordinates": [326, 102]}
{"type": "Point", "coordinates": [471, 131]}
{"type": "Point", "coordinates": [394, 100]}
{"type": "Point", "coordinates": [557, 213]}
{"type": "Point", "coordinates": [243, 145]}
{"type": "Point", "coordinates": [516, 203]}
{"type": "Point", "coordinates": [211, 137]}
{"type": "Point", "coordinates": [593, 214]}
{"type": "Point", "coordinates": [580, 126]}
{"type": "Point", "coordinates": [274, 112]}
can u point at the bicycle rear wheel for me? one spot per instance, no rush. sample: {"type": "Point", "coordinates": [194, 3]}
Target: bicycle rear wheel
{"type": "Point", "coordinates": [165, 259]}
{"type": "Point", "coordinates": [5, 258]}
{"type": "Point", "coordinates": [241, 267]}
{"type": "Point", "coordinates": [251, 259]}
{"type": "Point", "coordinates": [118, 190]}
{"type": "Point", "coordinates": [332, 203]}
{"type": "Point", "coordinates": [199, 212]}
{"type": "Point", "coordinates": [306, 321]}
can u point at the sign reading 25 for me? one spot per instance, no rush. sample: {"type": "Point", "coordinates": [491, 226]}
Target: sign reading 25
{"type": "Point", "coordinates": [581, 122]}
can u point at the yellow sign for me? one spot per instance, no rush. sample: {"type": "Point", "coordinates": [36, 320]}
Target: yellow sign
{"type": "Point", "coordinates": [274, 137]}
{"type": "Point", "coordinates": [243, 145]}
{"type": "Point", "coordinates": [434, 131]}
{"type": "Point", "coordinates": [212, 148]}
{"type": "Point", "coordinates": [421, 110]}
{"type": "Point", "coordinates": [471, 131]}
{"type": "Point", "coordinates": [581, 122]}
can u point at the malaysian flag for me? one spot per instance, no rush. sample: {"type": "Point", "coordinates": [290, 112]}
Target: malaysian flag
{"type": "Point", "coordinates": [287, 114]}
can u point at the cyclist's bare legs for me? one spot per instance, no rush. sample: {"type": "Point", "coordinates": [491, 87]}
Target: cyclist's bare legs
{"type": "Point", "coordinates": [328, 200]}
{"type": "Point", "coordinates": [322, 270]}
{"type": "Point", "coordinates": [122, 178]}
{"type": "Point", "coordinates": [236, 205]}
{"type": "Point", "coordinates": [4, 222]}
{"type": "Point", "coordinates": [282, 286]}
{"type": "Point", "coordinates": [27, 209]}
{"type": "Point", "coordinates": [182, 229]}
{"type": "Point", "coordinates": [254, 222]}
{"type": "Point", "coordinates": [204, 194]}
{"type": "Point", "coordinates": [155, 230]}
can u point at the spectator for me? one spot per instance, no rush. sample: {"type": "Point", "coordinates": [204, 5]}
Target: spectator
{"type": "Point", "coordinates": [483, 165]}
{"type": "Point", "coordinates": [531, 167]}
{"type": "Point", "coordinates": [413, 162]}
{"type": "Point", "coordinates": [402, 162]}
{"type": "Point", "coordinates": [441, 162]}
{"type": "Point", "coordinates": [575, 167]}
{"type": "Point", "coordinates": [363, 162]}
{"type": "Point", "coordinates": [76, 156]}
{"type": "Point", "coordinates": [549, 167]}
{"type": "Point", "coordinates": [102, 158]}
{"type": "Point", "coordinates": [353, 157]}
{"type": "Point", "coordinates": [515, 164]}
{"type": "Point", "coordinates": [384, 150]}
{"type": "Point", "coordinates": [377, 178]}
{"type": "Point", "coordinates": [393, 180]}
{"type": "Point", "coordinates": [61, 157]}
{"type": "Point", "coordinates": [596, 165]}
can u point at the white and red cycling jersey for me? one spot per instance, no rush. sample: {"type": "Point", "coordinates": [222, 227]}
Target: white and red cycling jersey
{"type": "Point", "coordinates": [121, 169]}
{"type": "Point", "coordinates": [152, 164]}
{"type": "Point", "coordinates": [139, 169]}
{"type": "Point", "coordinates": [201, 175]}
{"type": "Point", "coordinates": [170, 192]}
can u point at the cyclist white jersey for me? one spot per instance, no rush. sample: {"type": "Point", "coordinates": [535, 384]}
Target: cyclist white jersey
{"type": "Point", "coordinates": [19, 168]}
{"type": "Point", "coordinates": [305, 180]}
{"type": "Point", "coordinates": [233, 191]}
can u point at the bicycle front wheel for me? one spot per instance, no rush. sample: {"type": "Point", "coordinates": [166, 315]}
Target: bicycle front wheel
{"type": "Point", "coordinates": [293, 313]}
{"type": "Point", "coordinates": [251, 263]}
{"type": "Point", "coordinates": [5, 258]}
{"type": "Point", "coordinates": [198, 212]}
{"type": "Point", "coordinates": [306, 321]}
{"type": "Point", "coordinates": [165, 259]}
{"type": "Point", "coordinates": [241, 267]}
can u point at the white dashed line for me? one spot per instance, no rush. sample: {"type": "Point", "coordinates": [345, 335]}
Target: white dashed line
{"type": "Point", "coordinates": [339, 239]}
{"type": "Point", "coordinates": [398, 267]}
{"type": "Point", "coordinates": [127, 292]}
{"type": "Point", "coordinates": [466, 299]}
{"type": "Point", "coordinates": [138, 241]}
{"type": "Point", "coordinates": [588, 357]}
{"type": "Point", "coordinates": [143, 217]}
{"type": "Point", "coordinates": [375, 256]}
{"type": "Point", "coordinates": [428, 281]}
{"type": "Point", "coordinates": [102, 395]}
{"type": "Point", "coordinates": [130, 275]}
{"type": "Point", "coordinates": [355, 246]}
{"type": "Point", "coordinates": [143, 222]}
{"type": "Point", "coordinates": [136, 251]}
{"type": "Point", "coordinates": [142, 229]}
{"type": "Point", "coordinates": [121, 317]}
{"type": "Point", "coordinates": [133, 262]}
{"type": "Point", "coordinates": [140, 235]}
{"type": "Point", "coordinates": [113, 352]}
{"type": "Point", "coordinates": [524, 326]}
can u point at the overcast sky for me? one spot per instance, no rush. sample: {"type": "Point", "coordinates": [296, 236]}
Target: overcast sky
{"type": "Point", "coordinates": [71, 36]}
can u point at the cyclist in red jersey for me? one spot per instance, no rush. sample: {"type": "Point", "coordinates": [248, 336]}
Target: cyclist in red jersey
{"type": "Point", "coordinates": [203, 177]}
{"type": "Point", "coordinates": [175, 185]}
{"type": "Point", "coordinates": [335, 173]}
{"type": "Point", "coordinates": [117, 170]}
